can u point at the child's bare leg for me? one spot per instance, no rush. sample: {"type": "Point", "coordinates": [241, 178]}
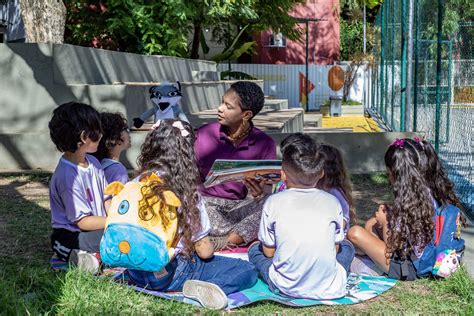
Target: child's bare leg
{"type": "Point", "coordinates": [367, 243]}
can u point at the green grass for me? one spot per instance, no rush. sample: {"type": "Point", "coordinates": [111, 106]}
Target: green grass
{"type": "Point", "coordinates": [28, 286]}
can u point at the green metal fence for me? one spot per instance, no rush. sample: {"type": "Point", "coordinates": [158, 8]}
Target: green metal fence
{"type": "Point", "coordinates": [423, 79]}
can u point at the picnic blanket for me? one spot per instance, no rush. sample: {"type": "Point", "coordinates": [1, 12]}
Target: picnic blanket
{"type": "Point", "coordinates": [360, 288]}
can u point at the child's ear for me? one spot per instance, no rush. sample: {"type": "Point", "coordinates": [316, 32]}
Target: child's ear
{"type": "Point", "coordinates": [114, 188]}
{"type": "Point", "coordinates": [83, 137]}
{"type": "Point", "coordinates": [283, 175]}
{"type": "Point", "coordinates": [171, 199]}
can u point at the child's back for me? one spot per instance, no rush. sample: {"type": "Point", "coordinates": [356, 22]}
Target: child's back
{"type": "Point", "coordinates": [304, 223]}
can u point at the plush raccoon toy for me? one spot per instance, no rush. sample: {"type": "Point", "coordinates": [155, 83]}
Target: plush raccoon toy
{"type": "Point", "coordinates": [165, 99]}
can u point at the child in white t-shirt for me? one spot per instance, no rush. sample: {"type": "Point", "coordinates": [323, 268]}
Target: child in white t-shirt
{"type": "Point", "coordinates": [299, 230]}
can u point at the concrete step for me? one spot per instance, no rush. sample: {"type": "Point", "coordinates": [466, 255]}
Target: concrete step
{"type": "Point", "coordinates": [327, 130]}
{"type": "Point", "coordinates": [85, 65]}
{"type": "Point", "coordinates": [270, 121]}
{"type": "Point", "coordinates": [313, 120]}
{"type": "Point", "coordinates": [197, 96]}
{"type": "Point", "coordinates": [352, 110]}
{"type": "Point", "coordinates": [275, 104]}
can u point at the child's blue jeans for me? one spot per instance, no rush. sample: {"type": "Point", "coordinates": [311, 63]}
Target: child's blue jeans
{"type": "Point", "coordinates": [230, 274]}
{"type": "Point", "coordinates": [262, 263]}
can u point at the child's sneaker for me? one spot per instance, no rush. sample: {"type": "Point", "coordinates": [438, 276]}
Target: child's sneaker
{"type": "Point", "coordinates": [84, 261]}
{"type": "Point", "coordinates": [208, 294]}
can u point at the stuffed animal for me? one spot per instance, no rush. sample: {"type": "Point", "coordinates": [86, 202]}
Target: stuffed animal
{"type": "Point", "coordinates": [447, 263]}
{"type": "Point", "coordinates": [141, 226]}
{"type": "Point", "coordinates": [165, 99]}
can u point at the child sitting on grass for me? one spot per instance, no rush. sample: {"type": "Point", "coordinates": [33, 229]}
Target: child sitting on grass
{"type": "Point", "coordinates": [336, 181]}
{"type": "Point", "coordinates": [116, 138]}
{"type": "Point", "coordinates": [168, 152]}
{"type": "Point", "coordinates": [77, 186]}
{"type": "Point", "coordinates": [299, 229]}
{"type": "Point", "coordinates": [398, 234]}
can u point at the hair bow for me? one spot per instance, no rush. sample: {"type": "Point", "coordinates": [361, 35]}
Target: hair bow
{"type": "Point", "coordinates": [156, 125]}
{"type": "Point", "coordinates": [180, 126]}
{"type": "Point", "coordinates": [419, 139]}
{"type": "Point", "coordinates": [177, 124]}
{"type": "Point", "coordinates": [398, 143]}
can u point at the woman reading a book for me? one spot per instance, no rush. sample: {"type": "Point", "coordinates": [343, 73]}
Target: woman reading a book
{"type": "Point", "coordinates": [234, 208]}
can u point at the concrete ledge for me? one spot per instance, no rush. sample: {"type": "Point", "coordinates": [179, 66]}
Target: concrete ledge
{"type": "Point", "coordinates": [276, 104]}
{"type": "Point", "coordinates": [363, 152]}
{"type": "Point", "coordinates": [313, 120]}
{"type": "Point", "coordinates": [85, 65]}
{"type": "Point", "coordinates": [270, 121]}
{"type": "Point", "coordinates": [352, 110]}
{"type": "Point", "coordinates": [197, 96]}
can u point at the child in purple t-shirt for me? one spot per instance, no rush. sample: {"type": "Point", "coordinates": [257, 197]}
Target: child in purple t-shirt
{"type": "Point", "coordinates": [115, 139]}
{"type": "Point", "coordinates": [77, 186]}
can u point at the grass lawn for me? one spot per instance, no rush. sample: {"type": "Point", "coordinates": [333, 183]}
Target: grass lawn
{"type": "Point", "coordinates": [28, 286]}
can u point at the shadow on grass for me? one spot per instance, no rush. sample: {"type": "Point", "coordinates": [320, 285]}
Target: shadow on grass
{"type": "Point", "coordinates": [369, 191]}
{"type": "Point", "coordinates": [27, 284]}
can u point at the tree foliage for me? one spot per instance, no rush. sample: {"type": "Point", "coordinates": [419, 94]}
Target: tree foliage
{"type": "Point", "coordinates": [146, 27]}
{"type": "Point", "coordinates": [163, 27]}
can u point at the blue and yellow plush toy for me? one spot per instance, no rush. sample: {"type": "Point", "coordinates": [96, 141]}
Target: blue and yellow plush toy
{"type": "Point", "coordinates": [141, 227]}
{"type": "Point", "coordinates": [165, 98]}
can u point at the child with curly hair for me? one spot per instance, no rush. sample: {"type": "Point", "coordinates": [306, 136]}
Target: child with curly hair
{"type": "Point", "coordinates": [115, 139]}
{"type": "Point", "coordinates": [406, 226]}
{"type": "Point", "coordinates": [77, 186]}
{"type": "Point", "coordinates": [168, 152]}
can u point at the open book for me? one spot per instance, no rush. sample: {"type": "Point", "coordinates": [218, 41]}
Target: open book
{"type": "Point", "coordinates": [224, 170]}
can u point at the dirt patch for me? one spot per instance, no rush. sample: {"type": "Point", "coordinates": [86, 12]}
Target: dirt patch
{"type": "Point", "coordinates": [24, 187]}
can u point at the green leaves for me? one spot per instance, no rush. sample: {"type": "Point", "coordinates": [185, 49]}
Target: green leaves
{"type": "Point", "coordinates": [163, 27]}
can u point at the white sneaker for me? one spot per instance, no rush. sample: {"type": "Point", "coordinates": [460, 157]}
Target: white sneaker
{"type": "Point", "coordinates": [84, 261]}
{"type": "Point", "coordinates": [208, 294]}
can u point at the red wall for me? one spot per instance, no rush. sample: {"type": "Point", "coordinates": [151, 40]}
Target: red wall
{"type": "Point", "coordinates": [323, 44]}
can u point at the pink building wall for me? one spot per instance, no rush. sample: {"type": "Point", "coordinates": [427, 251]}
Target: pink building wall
{"type": "Point", "coordinates": [323, 44]}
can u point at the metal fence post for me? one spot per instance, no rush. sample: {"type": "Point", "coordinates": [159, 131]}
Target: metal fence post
{"type": "Point", "coordinates": [403, 79]}
{"type": "Point", "coordinates": [438, 72]}
{"type": "Point", "coordinates": [417, 60]}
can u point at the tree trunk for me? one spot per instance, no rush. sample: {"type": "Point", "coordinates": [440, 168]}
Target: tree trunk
{"type": "Point", "coordinates": [44, 20]}
{"type": "Point", "coordinates": [196, 41]}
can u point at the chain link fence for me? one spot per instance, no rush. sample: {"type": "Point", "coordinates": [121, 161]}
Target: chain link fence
{"type": "Point", "coordinates": [437, 96]}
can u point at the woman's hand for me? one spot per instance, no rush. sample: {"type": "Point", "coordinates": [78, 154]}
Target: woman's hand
{"type": "Point", "coordinates": [255, 187]}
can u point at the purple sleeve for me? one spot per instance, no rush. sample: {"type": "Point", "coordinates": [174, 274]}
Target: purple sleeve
{"type": "Point", "coordinates": [205, 223]}
{"type": "Point", "coordinates": [344, 205]}
{"type": "Point", "coordinates": [116, 172]}
{"type": "Point", "coordinates": [77, 203]}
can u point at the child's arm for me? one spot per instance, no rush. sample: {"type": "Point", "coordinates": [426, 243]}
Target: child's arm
{"type": "Point", "coordinates": [107, 204]}
{"type": "Point", "coordinates": [269, 252]}
{"type": "Point", "coordinates": [381, 218]}
{"type": "Point", "coordinates": [204, 248]}
{"type": "Point", "coordinates": [89, 223]}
